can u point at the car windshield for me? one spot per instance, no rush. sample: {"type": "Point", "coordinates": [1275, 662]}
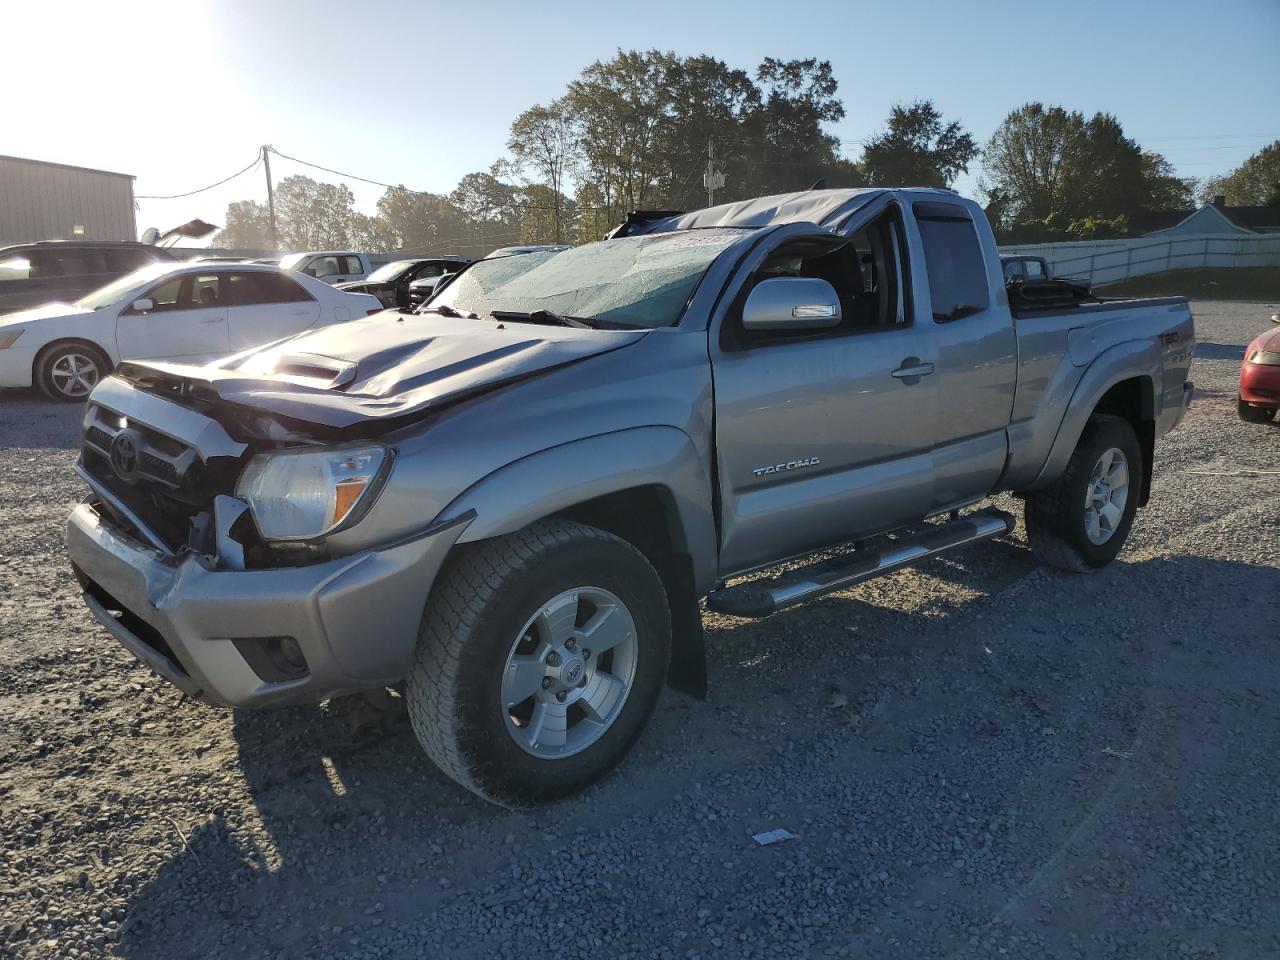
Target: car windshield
{"type": "Point", "coordinates": [630, 282]}
{"type": "Point", "coordinates": [116, 290]}
{"type": "Point", "coordinates": [389, 271]}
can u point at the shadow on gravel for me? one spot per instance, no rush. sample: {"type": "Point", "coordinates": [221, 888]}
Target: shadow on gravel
{"type": "Point", "coordinates": [31, 421]}
{"type": "Point", "coordinates": [1208, 350]}
{"type": "Point", "coordinates": [981, 759]}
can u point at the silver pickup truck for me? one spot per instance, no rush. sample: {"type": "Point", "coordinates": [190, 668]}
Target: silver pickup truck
{"type": "Point", "coordinates": [508, 506]}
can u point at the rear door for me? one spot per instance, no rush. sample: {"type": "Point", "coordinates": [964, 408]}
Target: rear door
{"type": "Point", "coordinates": [267, 306]}
{"type": "Point", "coordinates": [187, 321]}
{"type": "Point", "coordinates": [976, 350]}
{"type": "Point", "coordinates": [825, 436]}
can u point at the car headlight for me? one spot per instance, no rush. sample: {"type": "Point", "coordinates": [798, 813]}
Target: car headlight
{"type": "Point", "coordinates": [7, 340]}
{"type": "Point", "coordinates": [304, 494]}
{"type": "Point", "coordinates": [1268, 358]}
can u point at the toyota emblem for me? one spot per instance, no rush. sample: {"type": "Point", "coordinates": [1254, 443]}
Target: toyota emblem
{"type": "Point", "coordinates": [124, 455]}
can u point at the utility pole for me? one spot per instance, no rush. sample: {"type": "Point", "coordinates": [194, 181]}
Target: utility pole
{"type": "Point", "coordinates": [712, 180]}
{"type": "Point", "coordinates": [271, 197]}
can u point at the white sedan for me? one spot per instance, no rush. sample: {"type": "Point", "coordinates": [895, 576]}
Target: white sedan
{"type": "Point", "coordinates": [190, 312]}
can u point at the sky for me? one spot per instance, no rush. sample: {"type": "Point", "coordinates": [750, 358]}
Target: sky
{"type": "Point", "coordinates": [181, 93]}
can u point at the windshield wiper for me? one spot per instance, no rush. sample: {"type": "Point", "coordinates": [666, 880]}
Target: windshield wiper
{"type": "Point", "coordinates": [545, 317]}
{"type": "Point", "coordinates": [446, 311]}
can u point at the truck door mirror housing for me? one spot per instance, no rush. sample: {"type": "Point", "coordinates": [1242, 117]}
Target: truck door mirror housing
{"type": "Point", "coordinates": [144, 305]}
{"type": "Point", "coordinates": [791, 304]}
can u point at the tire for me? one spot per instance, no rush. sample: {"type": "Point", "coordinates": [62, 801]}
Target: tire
{"type": "Point", "coordinates": [69, 371]}
{"type": "Point", "coordinates": [1253, 414]}
{"type": "Point", "coordinates": [502, 602]}
{"type": "Point", "coordinates": [1058, 517]}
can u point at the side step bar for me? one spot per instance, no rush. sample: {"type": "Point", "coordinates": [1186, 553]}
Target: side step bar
{"type": "Point", "coordinates": [760, 598]}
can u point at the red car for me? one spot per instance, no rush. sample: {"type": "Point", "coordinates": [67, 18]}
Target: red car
{"type": "Point", "coordinates": [1260, 377]}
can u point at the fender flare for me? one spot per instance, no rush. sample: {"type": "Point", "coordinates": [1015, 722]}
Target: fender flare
{"type": "Point", "coordinates": [1133, 359]}
{"type": "Point", "coordinates": [559, 477]}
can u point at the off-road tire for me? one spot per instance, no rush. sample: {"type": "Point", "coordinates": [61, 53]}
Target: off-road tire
{"type": "Point", "coordinates": [1253, 414]}
{"type": "Point", "coordinates": [477, 608]}
{"type": "Point", "coordinates": [47, 360]}
{"type": "Point", "coordinates": [1055, 515]}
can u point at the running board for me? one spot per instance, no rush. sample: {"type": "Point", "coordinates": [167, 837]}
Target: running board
{"type": "Point", "coordinates": [760, 598]}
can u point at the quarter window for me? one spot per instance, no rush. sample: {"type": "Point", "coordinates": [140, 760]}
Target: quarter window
{"type": "Point", "coordinates": [953, 260]}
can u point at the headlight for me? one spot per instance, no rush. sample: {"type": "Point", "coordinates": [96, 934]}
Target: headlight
{"type": "Point", "coordinates": [7, 339]}
{"type": "Point", "coordinates": [1268, 358]}
{"type": "Point", "coordinates": [304, 494]}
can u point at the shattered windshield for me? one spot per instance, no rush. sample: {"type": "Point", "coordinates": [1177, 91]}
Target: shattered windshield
{"type": "Point", "coordinates": [629, 282]}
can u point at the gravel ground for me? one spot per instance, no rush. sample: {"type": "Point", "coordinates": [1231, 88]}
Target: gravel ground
{"type": "Point", "coordinates": [978, 758]}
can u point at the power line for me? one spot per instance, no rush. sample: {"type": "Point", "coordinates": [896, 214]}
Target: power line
{"type": "Point", "coordinates": [191, 193]}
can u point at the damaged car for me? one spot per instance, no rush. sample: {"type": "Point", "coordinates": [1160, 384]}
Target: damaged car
{"type": "Point", "coordinates": [508, 507]}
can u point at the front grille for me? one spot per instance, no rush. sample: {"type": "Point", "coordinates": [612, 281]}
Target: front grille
{"type": "Point", "coordinates": [160, 479]}
{"type": "Point", "coordinates": [155, 457]}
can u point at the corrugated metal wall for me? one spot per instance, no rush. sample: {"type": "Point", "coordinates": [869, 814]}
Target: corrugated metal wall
{"type": "Point", "coordinates": [45, 201]}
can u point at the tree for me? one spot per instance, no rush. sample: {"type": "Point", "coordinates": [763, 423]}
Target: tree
{"type": "Point", "coordinates": [312, 215]}
{"type": "Point", "coordinates": [1165, 190]}
{"type": "Point", "coordinates": [795, 151]}
{"type": "Point", "coordinates": [422, 222]}
{"type": "Point", "coordinates": [1254, 183]}
{"type": "Point", "coordinates": [543, 140]}
{"type": "Point", "coordinates": [1043, 162]}
{"type": "Point", "coordinates": [917, 149]}
{"type": "Point", "coordinates": [247, 226]}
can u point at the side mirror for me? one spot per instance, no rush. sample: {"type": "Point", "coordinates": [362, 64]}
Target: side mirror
{"type": "Point", "coordinates": [145, 305]}
{"type": "Point", "coordinates": [791, 304]}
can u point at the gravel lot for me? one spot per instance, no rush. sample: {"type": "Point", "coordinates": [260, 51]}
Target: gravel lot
{"type": "Point", "coordinates": [978, 758]}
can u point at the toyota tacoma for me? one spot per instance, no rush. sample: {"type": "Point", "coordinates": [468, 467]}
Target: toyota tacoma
{"type": "Point", "coordinates": [508, 506]}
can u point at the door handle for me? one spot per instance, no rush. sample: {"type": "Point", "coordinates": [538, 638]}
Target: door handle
{"type": "Point", "coordinates": [211, 319]}
{"type": "Point", "coordinates": [916, 369]}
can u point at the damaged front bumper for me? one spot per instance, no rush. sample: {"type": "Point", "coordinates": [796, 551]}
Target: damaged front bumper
{"type": "Point", "coordinates": [262, 637]}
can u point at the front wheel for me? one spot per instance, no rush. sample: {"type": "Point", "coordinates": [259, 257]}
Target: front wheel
{"type": "Point", "coordinates": [1080, 522]}
{"type": "Point", "coordinates": [1253, 414]}
{"type": "Point", "coordinates": [69, 372]}
{"type": "Point", "coordinates": [540, 659]}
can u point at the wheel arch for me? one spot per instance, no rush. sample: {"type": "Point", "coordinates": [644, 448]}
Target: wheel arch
{"type": "Point", "coordinates": [1118, 383]}
{"type": "Point", "coordinates": [646, 485]}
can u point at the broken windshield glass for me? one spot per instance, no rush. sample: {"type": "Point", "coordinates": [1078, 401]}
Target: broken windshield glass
{"type": "Point", "coordinates": [633, 282]}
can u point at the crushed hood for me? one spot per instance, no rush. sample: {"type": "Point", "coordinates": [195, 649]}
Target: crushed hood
{"type": "Point", "coordinates": [386, 366]}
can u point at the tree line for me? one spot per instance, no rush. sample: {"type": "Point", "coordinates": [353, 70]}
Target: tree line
{"type": "Point", "coordinates": [640, 130]}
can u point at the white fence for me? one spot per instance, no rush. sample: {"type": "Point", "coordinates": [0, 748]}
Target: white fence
{"type": "Point", "coordinates": [1107, 261]}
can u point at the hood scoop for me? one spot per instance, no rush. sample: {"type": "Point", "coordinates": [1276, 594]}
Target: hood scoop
{"type": "Point", "coordinates": [312, 370]}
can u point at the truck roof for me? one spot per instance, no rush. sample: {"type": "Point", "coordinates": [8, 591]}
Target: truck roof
{"type": "Point", "coordinates": [812, 206]}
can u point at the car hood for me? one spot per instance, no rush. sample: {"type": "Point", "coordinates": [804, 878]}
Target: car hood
{"type": "Point", "coordinates": [1269, 340]}
{"type": "Point", "coordinates": [385, 367]}
{"type": "Point", "coordinates": [46, 311]}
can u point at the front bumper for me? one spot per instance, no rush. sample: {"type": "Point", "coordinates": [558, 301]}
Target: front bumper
{"type": "Point", "coordinates": [1260, 385]}
{"type": "Point", "coordinates": [15, 366]}
{"type": "Point", "coordinates": [354, 618]}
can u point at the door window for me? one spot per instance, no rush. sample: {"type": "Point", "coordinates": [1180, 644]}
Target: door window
{"type": "Point", "coordinates": [351, 265]}
{"type": "Point", "coordinates": [187, 292]}
{"type": "Point", "coordinates": [126, 259]}
{"type": "Point", "coordinates": [953, 259]}
{"type": "Point", "coordinates": [1035, 270]}
{"type": "Point", "coordinates": [866, 272]}
{"type": "Point", "coordinates": [322, 267]}
{"type": "Point", "coordinates": [258, 287]}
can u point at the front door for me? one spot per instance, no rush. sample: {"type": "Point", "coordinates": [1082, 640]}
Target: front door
{"type": "Point", "coordinates": [187, 321]}
{"type": "Point", "coordinates": [825, 436]}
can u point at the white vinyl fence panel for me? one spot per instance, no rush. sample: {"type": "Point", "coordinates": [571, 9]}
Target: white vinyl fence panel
{"type": "Point", "coordinates": [1108, 261]}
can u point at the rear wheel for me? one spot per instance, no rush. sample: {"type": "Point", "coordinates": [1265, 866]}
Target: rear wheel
{"type": "Point", "coordinates": [1080, 522]}
{"type": "Point", "coordinates": [540, 659]}
{"type": "Point", "coordinates": [69, 372]}
{"type": "Point", "coordinates": [1253, 414]}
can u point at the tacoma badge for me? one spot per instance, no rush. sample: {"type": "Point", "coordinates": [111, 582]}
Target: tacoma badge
{"type": "Point", "coordinates": [784, 467]}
